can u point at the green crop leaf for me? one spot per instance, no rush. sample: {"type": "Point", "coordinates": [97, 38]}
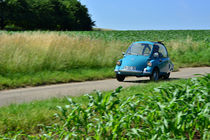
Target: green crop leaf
{"type": "Point", "coordinates": [70, 101]}
{"type": "Point", "coordinates": [165, 123]}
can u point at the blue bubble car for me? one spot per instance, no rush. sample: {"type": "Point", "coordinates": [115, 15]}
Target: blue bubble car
{"type": "Point", "coordinates": [145, 58]}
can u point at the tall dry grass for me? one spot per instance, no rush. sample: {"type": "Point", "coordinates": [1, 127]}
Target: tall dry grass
{"type": "Point", "coordinates": [186, 52]}
{"type": "Point", "coordinates": [29, 52]}
{"type": "Point", "coordinates": [36, 51]}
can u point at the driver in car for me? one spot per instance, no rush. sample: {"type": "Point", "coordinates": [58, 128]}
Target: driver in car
{"type": "Point", "coordinates": [156, 50]}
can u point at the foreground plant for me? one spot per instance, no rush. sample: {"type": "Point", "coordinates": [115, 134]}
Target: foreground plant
{"type": "Point", "coordinates": [172, 112]}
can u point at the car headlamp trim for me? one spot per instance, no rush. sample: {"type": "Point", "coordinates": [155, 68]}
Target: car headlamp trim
{"type": "Point", "coordinates": [149, 64]}
{"type": "Point", "coordinates": [118, 63]}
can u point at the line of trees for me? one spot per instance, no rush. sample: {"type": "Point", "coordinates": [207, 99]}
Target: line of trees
{"type": "Point", "coordinates": [45, 15]}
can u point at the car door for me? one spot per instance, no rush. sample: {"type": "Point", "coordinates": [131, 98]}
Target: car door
{"type": "Point", "coordinates": [163, 59]}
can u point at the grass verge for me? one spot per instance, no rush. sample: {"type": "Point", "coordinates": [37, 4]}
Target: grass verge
{"type": "Point", "coordinates": [16, 80]}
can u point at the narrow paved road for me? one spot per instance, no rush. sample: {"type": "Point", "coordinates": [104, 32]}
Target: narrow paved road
{"type": "Point", "coordinates": [75, 89]}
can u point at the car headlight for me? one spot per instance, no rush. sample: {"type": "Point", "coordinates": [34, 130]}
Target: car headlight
{"type": "Point", "coordinates": [118, 63]}
{"type": "Point", "coordinates": [149, 64]}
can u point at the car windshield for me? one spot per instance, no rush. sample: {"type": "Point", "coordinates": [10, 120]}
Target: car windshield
{"type": "Point", "coordinates": [139, 49]}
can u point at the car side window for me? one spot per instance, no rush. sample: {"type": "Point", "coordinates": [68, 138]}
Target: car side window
{"type": "Point", "coordinates": [146, 50]}
{"type": "Point", "coordinates": [163, 51]}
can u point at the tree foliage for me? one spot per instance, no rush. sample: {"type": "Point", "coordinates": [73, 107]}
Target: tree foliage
{"type": "Point", "coordinates": [45, 15]}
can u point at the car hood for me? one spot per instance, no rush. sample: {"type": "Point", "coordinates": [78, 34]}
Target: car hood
{"type": "Point", "coordinates": [138, 61]}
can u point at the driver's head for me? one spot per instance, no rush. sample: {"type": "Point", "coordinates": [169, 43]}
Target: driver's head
{"type": "Point", "coordinates": [156, 48]}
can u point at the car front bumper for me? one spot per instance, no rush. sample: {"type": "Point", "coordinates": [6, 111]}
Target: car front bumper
{"type": "Point", "coordinates": [145, 72]}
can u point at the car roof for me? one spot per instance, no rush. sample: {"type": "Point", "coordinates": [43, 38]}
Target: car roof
{"type": "Point", "coordinates": [147, 42]}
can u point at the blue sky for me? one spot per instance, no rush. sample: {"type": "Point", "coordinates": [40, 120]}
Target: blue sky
{"type": "Point", "coordinates": [150, 14]}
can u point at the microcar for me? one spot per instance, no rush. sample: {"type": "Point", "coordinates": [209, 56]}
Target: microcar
{"type": "Point", "coordinates": [144, 58]}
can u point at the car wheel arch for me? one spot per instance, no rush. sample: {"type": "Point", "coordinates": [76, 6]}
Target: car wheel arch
{"type": "Point", "coordinates": [155, 74]}
{"type": "Point", "coordinates": [156, 68]}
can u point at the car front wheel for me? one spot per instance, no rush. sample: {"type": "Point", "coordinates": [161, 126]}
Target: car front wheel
{"type": "Point", "coordinates": [166, 76]}
{"type": "Point", "coordinates": [120, 78]}
{"type": "Point", "coordinates": [155, 75]}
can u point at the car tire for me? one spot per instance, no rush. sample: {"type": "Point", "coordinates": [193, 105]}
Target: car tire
{"type": "Point", "coordinates": [120, 78]}
{"type": "Point", "coordinates": [155, 75]}
{"type": "Point", "coordinates": [166, 76]}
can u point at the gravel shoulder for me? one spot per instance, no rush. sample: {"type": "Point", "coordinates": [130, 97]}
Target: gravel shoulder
{"type": "Point", "coordinates": [22, 95]}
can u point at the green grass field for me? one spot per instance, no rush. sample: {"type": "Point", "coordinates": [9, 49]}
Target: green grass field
{"type": "Point", "coordinates": [173, 110]}
{"type": "Point", "coordinates": [38, 58]}
{"type": "Point", "coordinates": [150, 35]}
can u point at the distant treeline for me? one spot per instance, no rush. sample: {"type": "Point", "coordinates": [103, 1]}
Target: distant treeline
{"type": "Point", "coordinates": [44, 15]}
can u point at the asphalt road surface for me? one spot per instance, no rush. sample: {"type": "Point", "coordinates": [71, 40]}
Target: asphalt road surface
{"type": "Point", "coordinates": [22, 95]}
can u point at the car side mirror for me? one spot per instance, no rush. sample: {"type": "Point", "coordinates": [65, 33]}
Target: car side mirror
{"type": "Point", "coordinates": [123, 53]}
{"type": "Point", "coordinates": [156, 55]}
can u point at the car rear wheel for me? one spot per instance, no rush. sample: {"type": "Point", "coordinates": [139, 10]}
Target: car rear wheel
{"type": "Point", "coordinates": [155, 75]}
{"type": "Point", "coordinates": [166, 76]}
{"type": "Point", "coordinates": [120, 78]}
